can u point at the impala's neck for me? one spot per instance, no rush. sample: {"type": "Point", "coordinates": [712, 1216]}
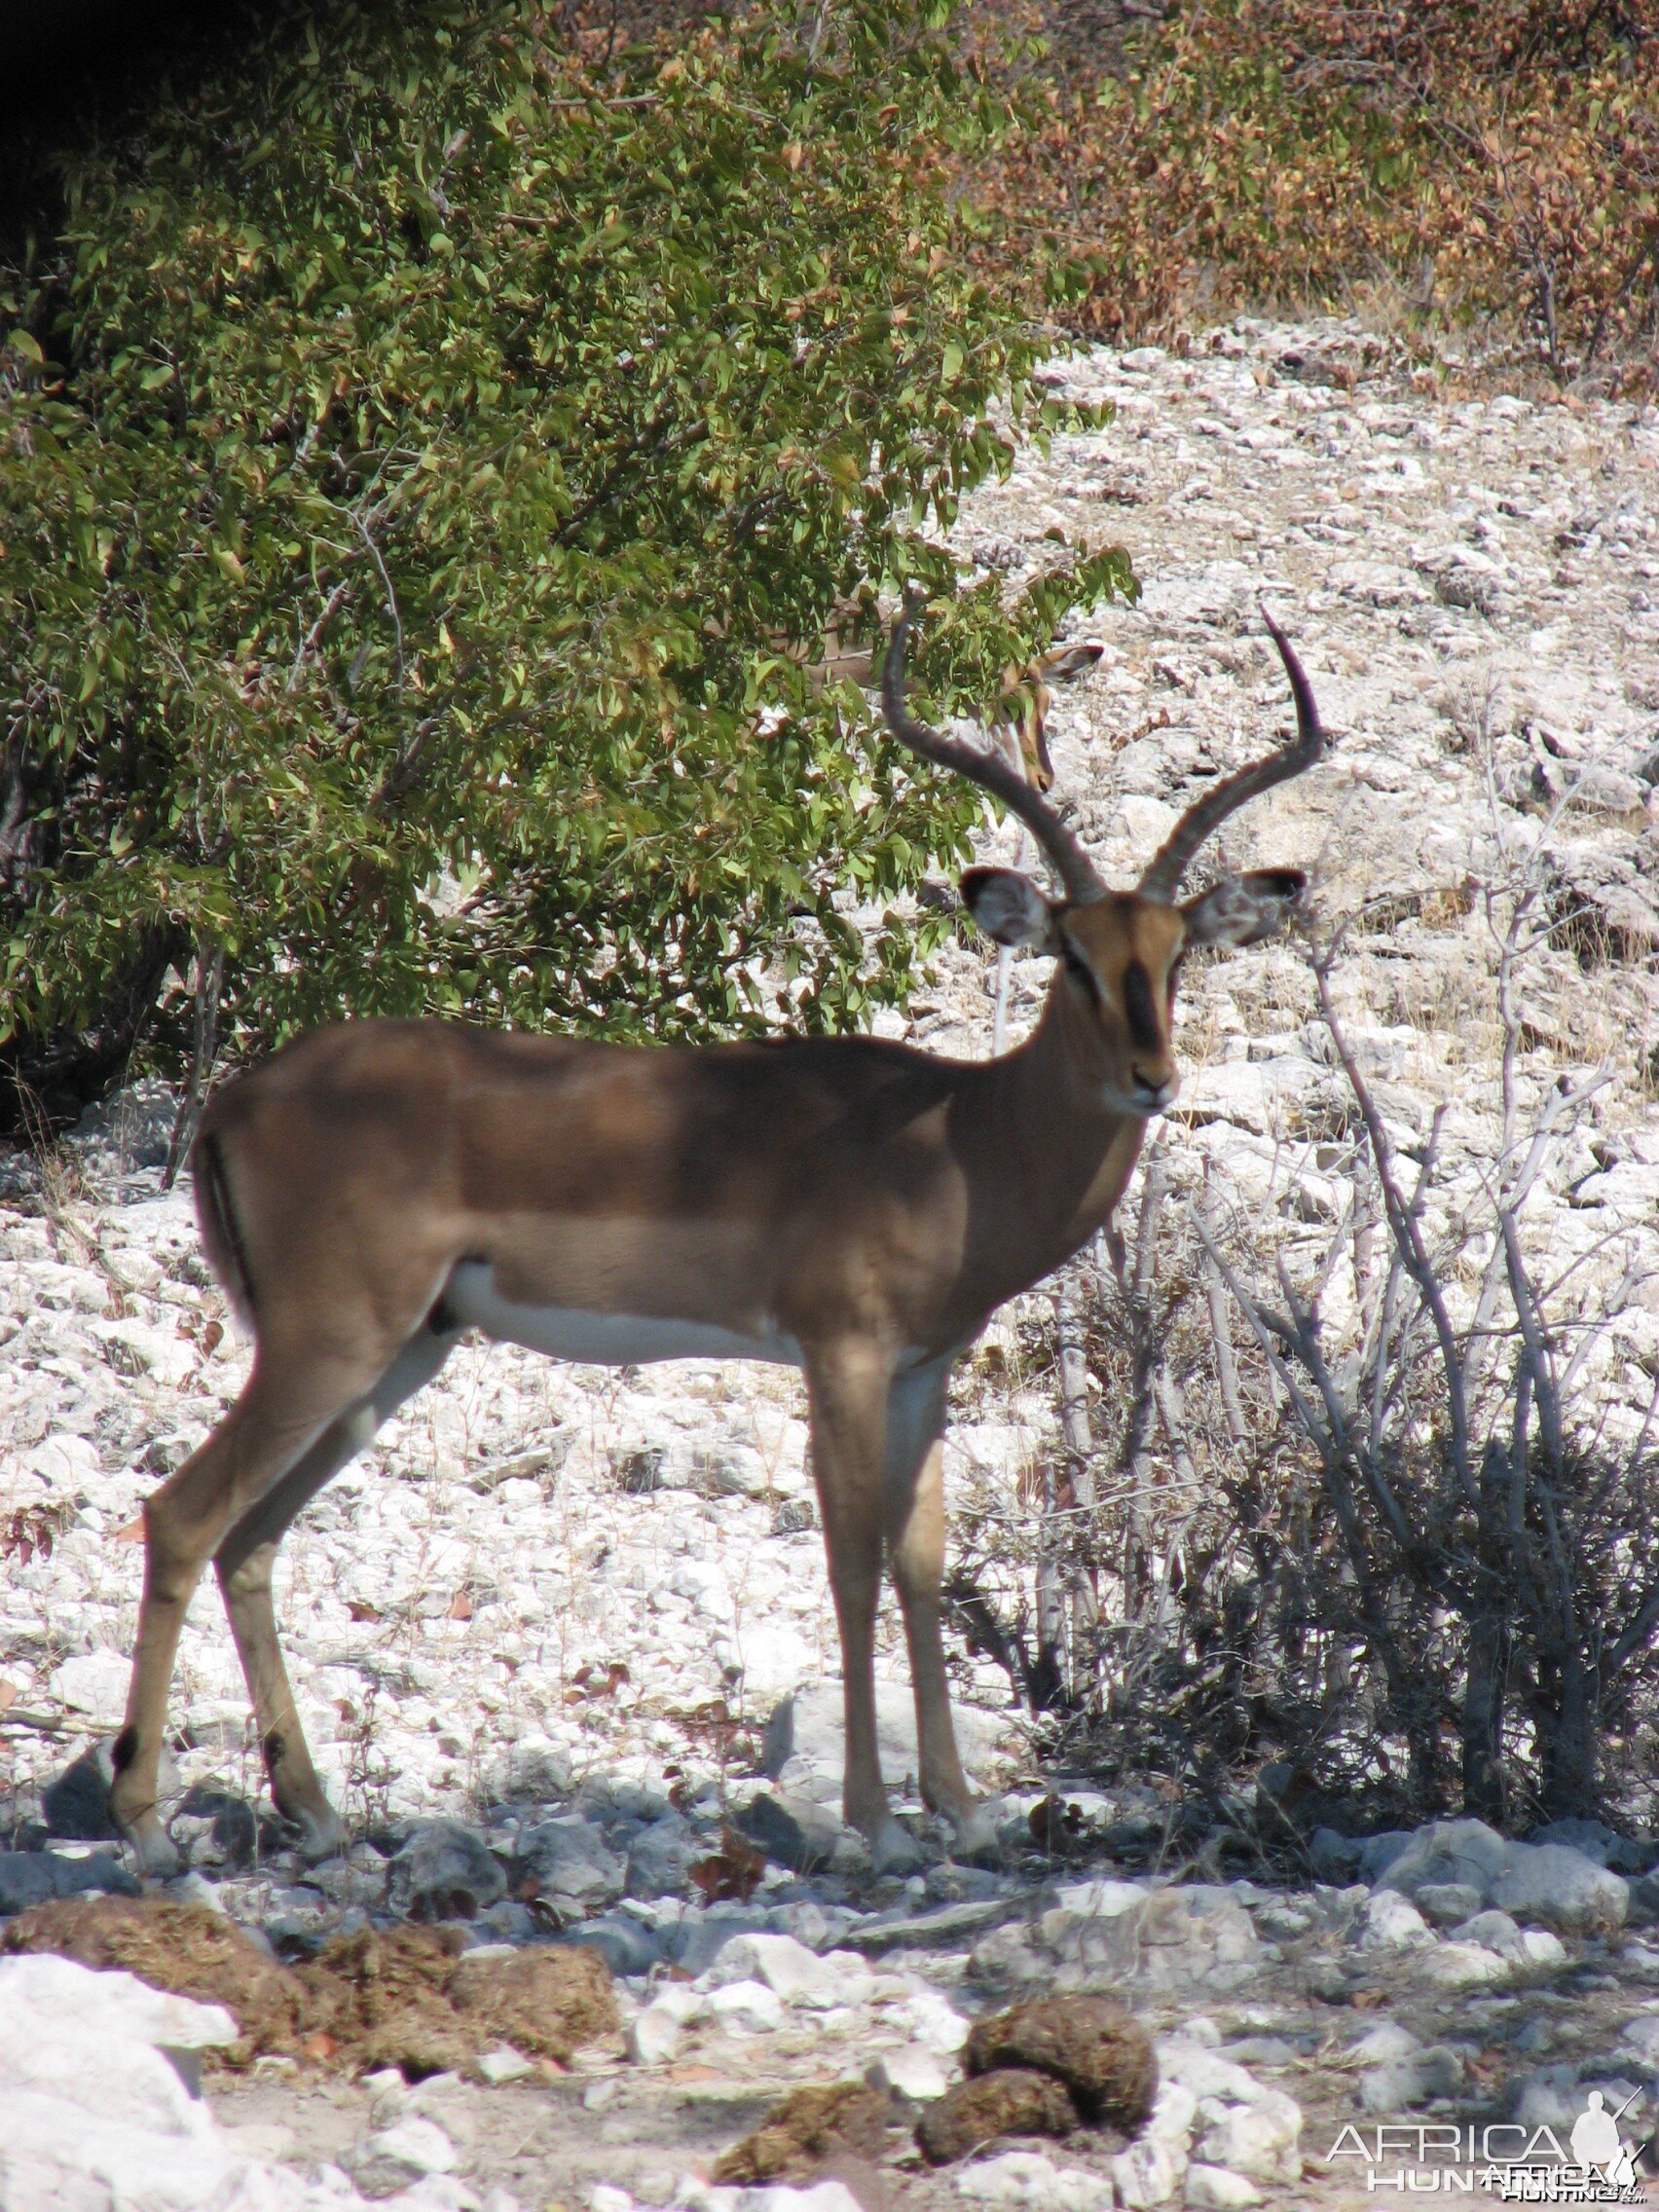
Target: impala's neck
{"type": "Point", "coordinates": [1054, 1155]}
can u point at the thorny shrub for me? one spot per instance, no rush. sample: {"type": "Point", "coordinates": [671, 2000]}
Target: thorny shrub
{"type": "Point", "coordinates": [1495, 159]}
{"type": "Point", "coordinates": [1351, 1525]}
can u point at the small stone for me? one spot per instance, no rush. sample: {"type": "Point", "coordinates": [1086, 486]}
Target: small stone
{"type": "Point", "coordinates": [797, 1835]}
{"type": "Point", "coordinates": [797, 1975]}
{"type": "Point", "coordinates": [1540, 1947]}
{"type": "Point", "coordinates": [444, 1872]}
{"type": "Point", "coordinates": [1559, 1886]}
{"type": "Point", "coordinates": [1463, 1965]}
{"type": "Point", "coordinates": [1218, 2189]}
{"type": "Point", "coordinates": [1415, 2079]}
{"type": "Point", "coordinates": [503, 2065]}
{"type": "Point", "coordinates": [1335, 1857]}
{"type": "Point", "coordinates": [1260, 2140]}
{"type": "Point", "coordinates": [653, 2037]}
{"type": "Point", "coordinates": [1026, 2181]}
{"type": "Point", "coordinates": [912, 2073]}
{"type": "Point", "coordinates": [1549, 2098]}
{"type": "Point", "coordinates": [535, 1772]}
{"type": "Point", "coordinates": [410, 2146]}
{"type": "Point", "coordinates": [1263, 2050]}
{"type": "Point", "coordinates": [1624, 1855]}
{"type": "Point", "coordinates": [748, 2005]}
{"type": "Point", "coordinates": [1150, 2170]}
{"type": "Point", "coordinates": [570, 1865]}
{"type": "Point", "coordinates": [33, 1877]}
{"type": "Point", "coordinates": [659, 1858]}
{"type": "Point", "coordinates": [1385, 2042]}
{"type": "Point", "coordinates": [76, 1804]}
{"type": "Point", "coordinates": [1446, 1902]}
{"type": "Point", "coordinates": [1495, 1929]}
{"type": "Point", "coordinates": [936, 2023]}
{"type": "Point", "coordinates": [625, 1944]}
{"type": "Point", "coordinates": [1393, 1925]}
{"type": "Point", "coordinates": [1012, 2101]}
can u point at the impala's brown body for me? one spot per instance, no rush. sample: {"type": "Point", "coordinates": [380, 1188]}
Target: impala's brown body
{"type": "Point", "coordinates": [776, 1191]}
{"type": "Point", "coordinates": [853, 1207]}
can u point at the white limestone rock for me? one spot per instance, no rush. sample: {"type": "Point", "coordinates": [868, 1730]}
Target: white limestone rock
{"type": "Point", "coordinates": [1217, 2189]}
{"type": "Point", "coordinates": [795, 1974]}
{"type": "Point", "coordinates": [1151, 2171]}
{"type": "Point", "coordinates": [97, 2118]}
{"type": "Point", "coordinates": [1552, 1883]}
{"type": "Point", "coordinates": [1261, 2140]}
{"type": "Point", "coordinates": [914, 2072]}
{"type": "Point", "coordinates": [1029, 2181]}
{"type": "Point", "coordinates": [1393, 1925]}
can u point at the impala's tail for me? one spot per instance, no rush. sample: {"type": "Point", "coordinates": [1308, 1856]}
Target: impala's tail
{"type": "Point", "coordinates": [221, 1232]}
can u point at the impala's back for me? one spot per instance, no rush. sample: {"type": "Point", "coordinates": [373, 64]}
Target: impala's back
{"type": "Point", "coordinates": [513, 1183]}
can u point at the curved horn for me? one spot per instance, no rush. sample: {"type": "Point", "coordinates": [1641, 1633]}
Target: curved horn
{"type": "Point", "coordinates": [1070, 863]}
{"type": "Point", "coordinates": [1170, 862]}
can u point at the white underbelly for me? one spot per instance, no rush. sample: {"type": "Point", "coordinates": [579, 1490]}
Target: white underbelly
{"type": "Point", "coordinates": [602, 1340]}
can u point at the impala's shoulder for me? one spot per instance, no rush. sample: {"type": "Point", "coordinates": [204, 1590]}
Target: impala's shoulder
{"type": "Point", "coordinates": [855, 1066]}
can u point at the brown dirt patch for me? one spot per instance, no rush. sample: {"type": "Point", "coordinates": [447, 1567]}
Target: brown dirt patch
{"type": "Point", "coordinates": [843, 2120]}
{"type": "Point", "coordinates": [1102, 2052]}
{"type": "Point", "coordinates": [1012, 2101]}
{"type": "Point", "coordinates": [399, 1996]}
{"type": "Point", "coordinates": [544, 2000]}
{"type": "Point", "coordinates": [379, 1997]}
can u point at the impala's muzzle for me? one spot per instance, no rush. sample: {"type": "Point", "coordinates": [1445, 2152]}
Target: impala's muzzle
{"type": "Point", "coordinates": [1153, 1097]}
{"type": "Point", "coordinates": [1141, 1094]}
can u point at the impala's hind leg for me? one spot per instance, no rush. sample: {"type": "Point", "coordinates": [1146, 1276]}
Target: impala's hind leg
{"type": "Point", "coordinates": [243, 1563]}
{"type": "Point", "coordinates": [286, 1405]}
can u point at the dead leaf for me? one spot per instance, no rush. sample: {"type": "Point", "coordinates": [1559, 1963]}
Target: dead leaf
{"type": "Point", "coordinates": [733, 1871]}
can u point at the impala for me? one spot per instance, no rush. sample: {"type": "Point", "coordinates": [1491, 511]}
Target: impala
{"type": "Point", "coordinates": [848, 1207]}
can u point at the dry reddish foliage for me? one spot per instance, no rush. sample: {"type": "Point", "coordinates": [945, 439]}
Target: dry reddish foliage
{"type": "Point", "coordinates": [1497, 158]}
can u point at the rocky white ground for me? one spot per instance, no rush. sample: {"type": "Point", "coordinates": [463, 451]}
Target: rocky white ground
{"type": "Point", "coordinates": [551, 1598]}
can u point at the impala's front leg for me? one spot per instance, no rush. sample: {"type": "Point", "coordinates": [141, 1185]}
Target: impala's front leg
{"type": "Point", "coordinates": [848, 1385]}
{"type": "Point", "coordinates": [915, 1544]}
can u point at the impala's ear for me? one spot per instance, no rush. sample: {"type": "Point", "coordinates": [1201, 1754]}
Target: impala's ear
{"type": "Point", "coordinates": [1010, 907]}
{"type": "Point", "coordinates": [1243, 909]}
{"type": "Point", "coordinates": [1065, 661]}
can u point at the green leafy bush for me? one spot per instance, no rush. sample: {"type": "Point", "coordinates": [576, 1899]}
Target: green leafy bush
{"type": "Point", "coordinates": [432, 460]}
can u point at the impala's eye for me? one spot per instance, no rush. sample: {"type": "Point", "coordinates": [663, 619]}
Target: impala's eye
{"type": "Point", "coordinates": [1078, 970]}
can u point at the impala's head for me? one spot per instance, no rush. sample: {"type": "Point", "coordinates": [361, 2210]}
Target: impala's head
{"type": "Point", "coordinates": [1120, 952]}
